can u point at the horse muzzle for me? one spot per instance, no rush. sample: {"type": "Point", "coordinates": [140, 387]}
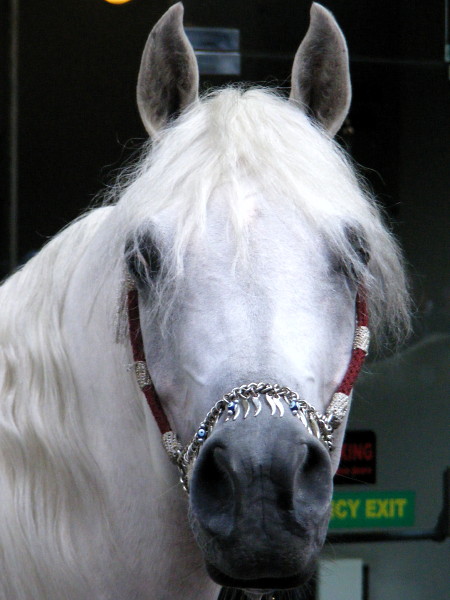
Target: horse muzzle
{"type": "Point", "coordinates": [260, 497]}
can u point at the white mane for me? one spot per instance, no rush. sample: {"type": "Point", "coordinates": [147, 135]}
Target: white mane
{"type": "Point", "coordinates": [228, 136]}
{"type": "Point", "coordinates": [44, 465]}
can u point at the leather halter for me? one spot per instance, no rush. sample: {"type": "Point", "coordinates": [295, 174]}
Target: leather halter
{"type": "Point", "coordinates": [335, 413]}
{"type": "Point", "coordinates": [140, 364]}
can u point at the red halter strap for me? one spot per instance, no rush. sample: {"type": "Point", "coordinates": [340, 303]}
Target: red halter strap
{"type": "Point", "coordinates": [140, 365]}
{"type": "Point", "coordinates": [360, 345]}
{"type": "Point", "coordinates": [339, 401]}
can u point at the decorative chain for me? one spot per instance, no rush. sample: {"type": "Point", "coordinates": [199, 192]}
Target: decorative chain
{"type": "Point", "coordinates": [244, 399]}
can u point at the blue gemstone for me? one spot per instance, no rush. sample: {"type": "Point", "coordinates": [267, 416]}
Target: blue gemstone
{"type": "Point", "coordinates": [231, 408]}
{"type": "Point", "coordinates": [293, 405]}
{"type": "Point", "coordinates": [201, 434]}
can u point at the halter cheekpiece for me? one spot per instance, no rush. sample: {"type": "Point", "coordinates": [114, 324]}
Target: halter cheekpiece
{"type": "Point", "coordinates": [249, 399]}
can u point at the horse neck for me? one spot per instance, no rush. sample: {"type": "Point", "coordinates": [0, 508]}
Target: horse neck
{"type": "Point", "coordinates": [144, 501]}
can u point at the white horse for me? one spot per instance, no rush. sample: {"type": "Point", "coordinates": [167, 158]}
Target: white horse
{"type": "Point", "coordinates": [247, 239]}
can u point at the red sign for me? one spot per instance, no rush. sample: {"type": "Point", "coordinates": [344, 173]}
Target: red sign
{"type": "Point", "coordinates": [358, 459]}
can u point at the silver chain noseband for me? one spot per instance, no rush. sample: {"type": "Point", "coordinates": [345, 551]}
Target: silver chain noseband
{"type": "Point", "coordinates": [246, 398]}
{"type": "Point", "coordinates": [243, 400]}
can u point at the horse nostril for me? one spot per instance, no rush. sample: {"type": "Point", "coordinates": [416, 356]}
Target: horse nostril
{"type": "Point", "coordinates": [313, 459]}
{"type": "Point", "coordinates": [284, 500]}
{"type": "Point", "coordinates": [212, 491]}
{"type": "Point", "coordinates": [313, 480]}
{"type": "Point", "coordinates": [300, 474]}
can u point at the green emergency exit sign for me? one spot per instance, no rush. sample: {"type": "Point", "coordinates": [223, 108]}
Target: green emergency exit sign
{"type": "Point", "coordinates": [371, 509]}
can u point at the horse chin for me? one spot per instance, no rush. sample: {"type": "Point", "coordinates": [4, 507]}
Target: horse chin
{"type": "Point", "coordinates": [262, 585]}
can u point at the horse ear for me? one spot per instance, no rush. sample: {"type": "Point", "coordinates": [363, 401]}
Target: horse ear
{"type": "Point", "coordinates": [168, 76]}
{"type": "Point", "coordinates": [320, 74]}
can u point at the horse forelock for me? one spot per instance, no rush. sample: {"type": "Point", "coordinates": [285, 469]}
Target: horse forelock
{"type": "Point", "coordinates": [236, 135]}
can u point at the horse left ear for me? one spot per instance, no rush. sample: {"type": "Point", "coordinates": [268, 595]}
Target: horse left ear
{"type": "Point", "coordinates": [320, 74]}
{"type": "Point", "coordinates": [168, 77]}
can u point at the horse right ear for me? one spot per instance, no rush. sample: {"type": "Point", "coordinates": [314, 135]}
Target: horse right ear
{"type": "Point", "coordinates": [168, 77]}
{"type": "Point", "coordinates": [320, 74]}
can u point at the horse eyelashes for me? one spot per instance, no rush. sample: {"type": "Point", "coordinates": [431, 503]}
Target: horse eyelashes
{"type": "Point", "coordinates": [359, 256]}
{"type": "Point", "coordinates": [359, 245]}
{"type": "Point", "coordinates": [143, 260]}
{"type": "Point", "coordinates": [153, 261]}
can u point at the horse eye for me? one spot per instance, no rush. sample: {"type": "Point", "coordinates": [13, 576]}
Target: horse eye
{"type": "Point", "coordinates": [351, 267]}
{"type": "Point", "coordinates": [143, 260]}
{"type": "Point", "coordinates": [359, 245]}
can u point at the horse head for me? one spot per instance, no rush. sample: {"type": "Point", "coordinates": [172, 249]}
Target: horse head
{"type": "Point", "coordinates": [251, 273]}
